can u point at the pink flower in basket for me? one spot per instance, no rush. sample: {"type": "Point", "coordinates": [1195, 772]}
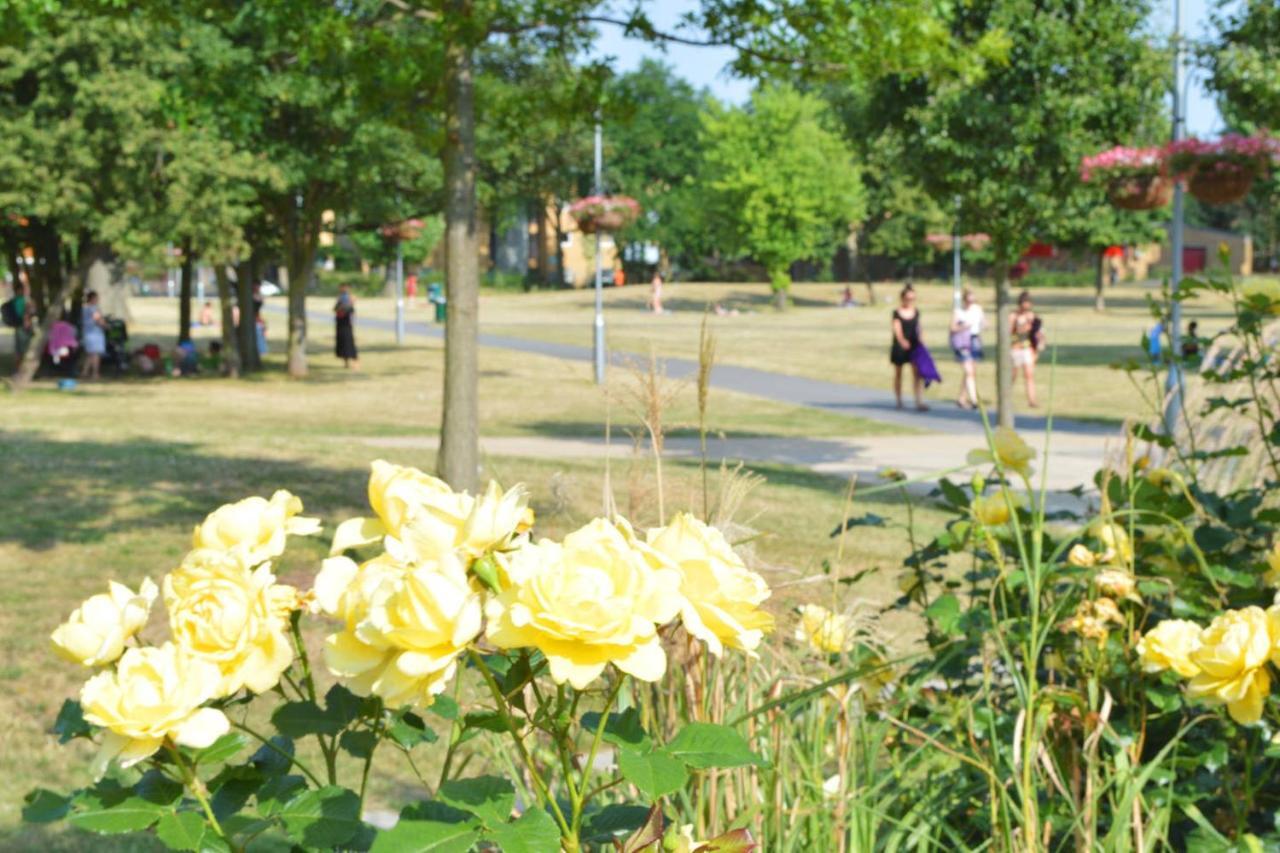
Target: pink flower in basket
{"type": "Point", "coordinates": [1122, 161]}
{"type": "Point", "coordinates": [604, 212]}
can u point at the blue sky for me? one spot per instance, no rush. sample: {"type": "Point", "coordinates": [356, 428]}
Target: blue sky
{"type": "Point", "coordinates": [704, 66]}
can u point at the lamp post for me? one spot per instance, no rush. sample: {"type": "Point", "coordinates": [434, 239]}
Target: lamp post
{"type": "Point", "coordinates": [599, 320]}
{"type": "Point", "coordinates": [1173, 382]}
{"type": "Point", "coordinates": [955, 259]}
{"type": "Point", "coordinates": [400, 291]}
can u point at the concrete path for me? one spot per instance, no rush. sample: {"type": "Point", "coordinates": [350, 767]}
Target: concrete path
{"type": "Point", "coordinates": [836, 397]}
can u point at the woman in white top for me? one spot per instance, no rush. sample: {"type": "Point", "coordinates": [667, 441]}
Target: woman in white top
{"type": "Point", "coordinates": [966, 343]}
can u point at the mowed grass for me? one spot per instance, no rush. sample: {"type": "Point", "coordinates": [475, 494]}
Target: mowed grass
{"type": "Point", "coordinates": [817, 338]}
{"type": "Point", "coordinates": [108, 481]}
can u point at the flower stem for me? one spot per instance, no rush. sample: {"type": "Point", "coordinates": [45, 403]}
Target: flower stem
{"type": "Point", "coordinates": [580, 796]}
{"type": "Point", "coordinates": [192, 782]}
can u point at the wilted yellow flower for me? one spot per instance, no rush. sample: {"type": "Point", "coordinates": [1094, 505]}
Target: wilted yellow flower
{"type": "Point", "coordinates": [255, 528]}
{"type": "Point", "coordinates": [591, 601]}
{"type": "Point", "coordinates": [722, 597]}
{"type": "Point", "coordinates": [892, 474]}
{"type": "Point", "coordinates": [1116, 547]}
{"type": "Point", "coordinates": [993, 510]}
{"type": "Point", "coordinates": [1163, 478]}
{"type": "Point", "coordinates": [1092, 619]}
{"type": "Point", "coordinates": [406, 646]}
{"type": "Point", "coordinates": [827, 632]}
{"type": "Point", "coordinates": [232, 616]}
{"type": "Point", "coordinates": [1081, 557]}
{"type": "Point", "coordinates": [154, 693]}
{"type": "Point", "coordinates": [97, 630]}
{"type": "Point", "coordinates": [1232, 658]}
{"type": "Point", "coordinates": [1271, 577]}
{"type": "Point", "coordinates": [1009, 449]}
{"type": "Point", "coordinates": [1169, 646]}
{"type": "Point", "coordinates": [1118, 583]}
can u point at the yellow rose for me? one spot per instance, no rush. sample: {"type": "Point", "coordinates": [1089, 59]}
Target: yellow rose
{"type": "Point", "coordinates": [1114, 539]}
{"type": "Point", "coordinates": [827, 632]}
{"type": "Point", "coordinates": [1092, 619]}
{"type": "Point", "coordinates": [1271, 577]}
{"type": "Point", "coordinates": [1169, 646]}
{"type": "Point", "coordinates": [1081, 557]}
{"type": "Point", "coordinates": [343, 589]}
{"type": "Point", "coordinates": [1007, 448]}
{"type": "Point", "coordinates": [993, 510]}
{"type": "Point", "coordinates": [722, 597]}
{"type": "Point", "coordinates": [496, 519]}
{"type": "Point", "coordinates": [406, 646]}
{"type": "Point", "coordinates": [1232, 658]}
{"type": "Point", "coordinates": [586, 603]}
{"type": "Point", "coordinates": [255, 528]}
{"type": "Point", "coordinates": [97, 630]}
{"type": "Point", "coordinates": [154, 693]}
{"type": "Point", "coordinates": [398, 495]}
{"type": "Point", "coordinates": [1117, 582]}
{"type": "Point", "coordinates": [233, 617]}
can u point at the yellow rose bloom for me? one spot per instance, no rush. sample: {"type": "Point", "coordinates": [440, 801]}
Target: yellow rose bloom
{"type": "Point", "coordinates": [96, 631]}
{"type": "Point", "coordinates": [593, 600]}
{"type": "Point", "coordinates": [1118, 583]}
{"type": "Point", "coordinates": [1232, 658]}
{"type": "Point", "coordinates": [398, 495]}
{"type": "Point", "coordinates": [234, 617]}
{"type": "Point", "coordinates": [343, 589]}
{"type": "Point", "coordinates": [1081, 557]}
{"type": "Point", "coordinates": [406, 646]}
{"type": "Point", "coordinates": [255, 528]}
{"type": "Point", "coordinates": [1271, 577]}
{"type": "Point", "coordinates": [496, 519]}
{"type": "Point", "coordinates": [826, 632]}
{"type": "Point", "coordinates": [993, 510]}
{"type": "Point", "coordinates": [1169, 646]}
{"type": "Point", "coordinates": [1008, 448]}
{"type": "Point", "coordinates": [153, 694]}
{"type": "Point", "coordinates": [722, 597]}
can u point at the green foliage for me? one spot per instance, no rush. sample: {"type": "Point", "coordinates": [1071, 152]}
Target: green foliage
{"type": "Point", "coordinates": [784, 187]}
{"type": "Point", "coordinates": [1244, 64]}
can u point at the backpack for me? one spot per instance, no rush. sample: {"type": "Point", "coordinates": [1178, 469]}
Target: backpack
{"type": "Point", "coordinates": [9, 313]}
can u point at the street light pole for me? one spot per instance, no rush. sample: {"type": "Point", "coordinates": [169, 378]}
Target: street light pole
{"type": "Point", "coordinates": [599, 328]}
{"type": "Point", "coordinates": [399, 291]}
{"type": "Point", "coordinates": [1173, 382]}
{"type": "Point", "coordinates": [955, 259]}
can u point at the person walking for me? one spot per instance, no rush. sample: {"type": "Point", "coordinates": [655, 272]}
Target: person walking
{"type": "Point", "coordinates": [906, 338]}
{"type": "Point", "coordinates": [966, 342]}
{"type": "Point", "coordinates": [344, 311]}
{"type": "Point", "coordinates": [1024, 329]}
{"type": "Point", "coordinates": [93, 337]}
{"type": "Point", "coordinates": [655, 293]}
{"type": "Point", "coordinates": [24, 315]}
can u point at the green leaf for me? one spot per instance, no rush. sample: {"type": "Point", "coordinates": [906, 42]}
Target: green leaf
{"type": "Point", "coordinates": [182, 830]}
{"type": "Point", "coordinates": [655, 773]}
{"type": "Point", "coordinates": [622, 730]}
{"type": "Point", "coordinates": [490, 798]}
{"type": "Point", "coordinates": [110, 809]}
{"type": "Point", "coordinates": [444, 707]}
{"type": "Point", "coordinates": [359, 744]}
{"type": "Point", "coordinates": [733, 841]}
{"type": "Point", "coordinates": [945, 611]}
{"type": "Point", "coordinates": [70, 722]}
{"type": "Point", "coordinates": [704, 745]}
{"type": "Point", "coordinates": [953, 494]}
{"type": "Point", "coordinates": [270, 762]}
{"type": "Point", "coordinates": [44, 806]}
{"type": "Point", "coordinates": [426, 836]}
{"type": "Point", "coordinates": [533, 832]}
{"type": "Point", "coordinates": [232, 788]}
{"type": "Point", "coordinates": [277, 791]}
{"type": "Point", "coordinates": [346, 706]}
{"type": "Point", "coordinates": [223, 749]}
{"type": "Point", "coordinates": [155, 787]}
{"type": "Point", "coordinates": [614, 821]}
{"type": "Point", "coordinates": [490, 721]}
{"type": "Point", "coordinates": [323, 817]}
{"type": "Point", "coordinates": [299, 719]}
{"type": "Point", "coordinates": [409, 730]}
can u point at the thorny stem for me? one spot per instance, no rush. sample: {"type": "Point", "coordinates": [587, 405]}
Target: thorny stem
{"type": "Point", "coordinates": [193, 783]}
{"type": "Point", "coordinates": [579, 800]}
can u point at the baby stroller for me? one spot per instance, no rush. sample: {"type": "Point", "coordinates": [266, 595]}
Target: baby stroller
{"type": "Point", "coordinates": [117, 334]}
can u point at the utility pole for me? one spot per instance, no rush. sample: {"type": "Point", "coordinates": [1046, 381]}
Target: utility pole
{"type": "Point", "coordinates": [1173, 382]}
{"type": "Point", "coordinates": [599, 329]}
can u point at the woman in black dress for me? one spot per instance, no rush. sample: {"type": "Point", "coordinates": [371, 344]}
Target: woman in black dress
{"type": "Point", "coordinates": [344, 311]}
{"type": "Point", "coordinates": [906, 337]}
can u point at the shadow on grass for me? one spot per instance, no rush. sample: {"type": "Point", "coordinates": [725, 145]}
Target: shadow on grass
{"type": "Point", "coordinates": [66, 839]}
{"type": "Point", "coordinates": [80, 492]}
{"type": "Point", "coordinates": [743, 300]}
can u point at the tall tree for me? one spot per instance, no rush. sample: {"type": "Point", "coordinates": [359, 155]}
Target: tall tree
{"type": "Point", "coordinates": [1079, 75]}
{"type": "Point", "coordinates": [783, 185]}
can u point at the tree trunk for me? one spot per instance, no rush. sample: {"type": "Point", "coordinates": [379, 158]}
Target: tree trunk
{"type": "Point", "coordinates": [247, 336]}
{"type": "Point", "coordinates": [1099, 282]}
{"type": "Point", "coordinates": [459, 457]}
{"type": "Point", "coordinates": [184, 292]}
{"type": "Point", "coordinates": [69, 281]}
{"type": "Point", "coordinates": [230, 344]}
{"type": "Point", "coordinates": [1004, 340]}
{"type": "Point", "coordinates": [540, 250]}
{"type": "Point", "coordinates": [300, 256]}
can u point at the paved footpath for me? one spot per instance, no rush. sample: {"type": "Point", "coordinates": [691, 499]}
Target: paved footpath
{"type": "Point", "coordinates": [1077, 447]}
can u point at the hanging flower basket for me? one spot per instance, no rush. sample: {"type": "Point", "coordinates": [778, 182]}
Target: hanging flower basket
{"type": "Point", "coordinates": [1222, 172]}
{"type": "Point", "coordinates": [1135, 178]}
{"type": "Point", "coordinates": [604, 213]}
{"type": "Point", "coordinates": [408, 229]}
{"type": "Point", "coordinates": [1140, 192]}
